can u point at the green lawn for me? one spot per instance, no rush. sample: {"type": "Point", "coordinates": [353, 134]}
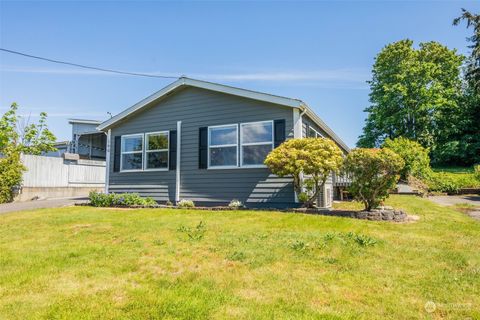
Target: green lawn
{"type": "Point", "coordinates": [93, 263]}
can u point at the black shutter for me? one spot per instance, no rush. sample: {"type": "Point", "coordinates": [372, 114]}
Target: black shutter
{"type": "Point", "coordinates": [173, 150]}
{"type": "Point", "coordinates": [279, 132]}
{"type": "Point", "coordinates": [203, 148]}
{"type": "Point", "coordinates": [117, 146]}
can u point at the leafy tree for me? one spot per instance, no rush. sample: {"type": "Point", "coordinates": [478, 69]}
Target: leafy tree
{"type": "Point", "coordinates": [374, 172]}
{"type": "Point", "coordinates": [417, 161]}
{"type": "Point", "coordinates": [414, 93]}
{"type": "Point", "coordinates": [32, 138]}
{"type": "Point", "coordinates": [23, 136]}
{"type": "Point", "coordinates": [309, 161]}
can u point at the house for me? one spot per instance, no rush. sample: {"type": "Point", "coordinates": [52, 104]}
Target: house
{"type": "Point", "coordinates": [87, 142]}
{"type": "Point", "coordinates": [207, 142]}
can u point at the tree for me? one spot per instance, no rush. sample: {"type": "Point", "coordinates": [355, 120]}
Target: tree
{"type": "Point", "coordinates": [417, 161]}
{"type": "Point", "coordinates": [473, 64]}
{"type": "Point", "coordinates": [309, 161]}
{"type": "Point", "coordinates": [374, 172]}
{"type": "Point", "coordinates": [414, 93]}
{"type": "Point", "coordinates": [24, 136]}
{"type": "Point", "coordinates": [32, 138]}
{"type": "Point", "coordinates": [462, 146]}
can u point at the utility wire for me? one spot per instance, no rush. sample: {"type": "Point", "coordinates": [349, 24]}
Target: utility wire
{"type": "Point", "coordinates": [88, 67]}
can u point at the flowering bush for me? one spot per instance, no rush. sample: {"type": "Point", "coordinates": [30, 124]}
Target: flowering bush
{"type": "Point", "coordinates": [98, 199]}
{"type": "Point", "coordinates": [185, 203]}
{"type": "Point", "coordinates": [235, 204]}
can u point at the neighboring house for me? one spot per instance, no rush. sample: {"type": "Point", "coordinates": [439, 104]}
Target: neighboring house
{"type": "Point", "coordinates": [207, 142]}
{"type": "Point", "coordinates": [87, 141]}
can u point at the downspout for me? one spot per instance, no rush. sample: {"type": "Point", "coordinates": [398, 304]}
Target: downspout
{"type": "Point", "coordinates": [107, 160]}
{"type": "Point", "coordinates": [298, 134]}
{"type": "Point", "coordinates": [179, 153]}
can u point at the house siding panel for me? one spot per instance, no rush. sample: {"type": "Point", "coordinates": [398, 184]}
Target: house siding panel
{"type": "Point", "coordinates": [200, 108]}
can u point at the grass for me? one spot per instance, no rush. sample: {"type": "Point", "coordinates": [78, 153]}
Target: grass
{"type": "Point", "coordinates": [94, 263]}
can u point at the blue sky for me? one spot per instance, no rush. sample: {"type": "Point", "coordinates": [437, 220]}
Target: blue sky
{"type": "Point", "coordinates": [321, 52]}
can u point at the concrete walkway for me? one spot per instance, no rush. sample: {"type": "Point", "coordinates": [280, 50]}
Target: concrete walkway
{"type": "Point", "coordinates": [39, 204]}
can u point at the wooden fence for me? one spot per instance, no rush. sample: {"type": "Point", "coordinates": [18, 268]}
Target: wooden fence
{"type": "Point", "coordinates": [55, 177]}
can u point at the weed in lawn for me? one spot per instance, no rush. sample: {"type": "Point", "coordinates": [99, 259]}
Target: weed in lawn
{"type": "Point", "coordinates": [158, 242]}
{"type": "Point", "coordinates": [361, 239]}
{"type": "Point", "coordinates": [196, 233]}
{"type": "Point", "coordinates": [237, 256]}
{"type": "Point", "coordinates": [299, 245]}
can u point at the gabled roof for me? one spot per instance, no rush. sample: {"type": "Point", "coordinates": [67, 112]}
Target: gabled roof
{"type": "Point", "coordinates": [184, 82]}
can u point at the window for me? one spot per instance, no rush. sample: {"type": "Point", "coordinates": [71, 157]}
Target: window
{"type": "Point", "coordinates": [132, 152]}
{"type": "Point", "coordinates": [156, 150]}
{"type": "Point", "coordinates": [256, 142]}
{"type": "Point", "coordinates": [222, 146]}
{"type": "Point", "coordinates": [312, 133]}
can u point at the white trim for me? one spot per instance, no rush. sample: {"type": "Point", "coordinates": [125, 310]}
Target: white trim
{"type": "Point", "coordinates": [131, 152]}
{"type": "Point", "coordinates": [84, 121]}
{"type": "Point", "coordinates": [222, 145]}
{"type": "Point", "coordinates": [107, 160]}
{"type": "Point", "coordinates": [255, 143]}
{"type": "Point", "coordinates": [294, 103]}
{"type": "Point", "coordinates": [317, 134]}
{"type": "Point", "coordinates": [179, 153]}
{"type": "Point", "coordinates": [297, 124]}
{"type": "Point", "coordinates": [156, 150]}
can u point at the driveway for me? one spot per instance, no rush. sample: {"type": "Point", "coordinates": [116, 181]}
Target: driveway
{"type": "Point", "coordinates": [39, 204]}
{"type": "Point", "coordinates": [453, 200]}
{"type": "Point", "coordinates": [473, 200]}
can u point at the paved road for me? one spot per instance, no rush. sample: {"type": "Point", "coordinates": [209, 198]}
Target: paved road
{"type": "Point", "coordinates": [39, 204]}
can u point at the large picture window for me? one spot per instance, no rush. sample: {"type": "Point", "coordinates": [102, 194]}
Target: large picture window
{"type": "Point", "coordinates": [222, 146]}
{"type": "Point", "coordinates": [156, 150]}
{"type": "Point", "coordinates": [132, 152]}
{"type": "Point", "coordinates": [256, 140]}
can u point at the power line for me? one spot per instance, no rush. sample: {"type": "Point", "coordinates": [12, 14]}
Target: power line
{"type": "Point", "coordinates": [88, 67]}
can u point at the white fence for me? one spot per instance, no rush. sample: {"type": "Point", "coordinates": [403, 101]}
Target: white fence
{"type": "Point", "coordinates": [50, 172]}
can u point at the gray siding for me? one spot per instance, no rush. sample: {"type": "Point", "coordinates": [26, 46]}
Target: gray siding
{"type": "Point", "coordinates": [200, 108]}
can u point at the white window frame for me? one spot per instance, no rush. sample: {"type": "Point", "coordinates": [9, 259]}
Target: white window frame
{"type": "Point", "coordinates": [223, 145]}
{"type": "Point", "coordinates": [145, 168]}
{"type": "Point", "coordinates": [131, 152]}
{"type": "Point", "coordinates": [255, 143]}
{"type": "Point", "coordinates": [317, 134]}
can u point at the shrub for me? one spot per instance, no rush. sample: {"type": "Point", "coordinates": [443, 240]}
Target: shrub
{"type": "Point", "coordinates": [169, 203]}
{"type": "Point", "coordinates": [186, 204]}
{"type": "Point", "coordinates": [451, 182]}
{"type": "Point", "coordinates": [98, 199]}
{"type": "Point", "coordinates": [11, 170]}
{"type": "Point", "coordinates": [235, 204]}
{"type": "Point", "coordinates": [374, 172]}
{"type": "Point", "coordinates": [417, 161]}
{"type": "Point", "coordinates": [315, 158]}
{"type": "Point", "coordinates": [476, 171]}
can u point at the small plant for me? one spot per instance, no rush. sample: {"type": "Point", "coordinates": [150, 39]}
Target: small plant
{"type": "Point", "coordinates": [235, 204]}
{"type": "Point", "coordinates": [299, 245]}
{"type": "Point", "coordinates": [329, 236]}
{"type": "Point", "coordinates": [196, 233]}
{"type": "Point", "coordinates": [361, 239]}
{"type": "Point", "coordinates": [158, 242]}
{"type": "Point", "coordinates": [169, 203]}
{"type": "Point", "coordinates": [476, 171]}
{"type": "Point", "coordinates": [237, 256]}
{"type": "Point", "coordinates": [98, 199]}
{"type": "Point", "coordinates": [185, 204]}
